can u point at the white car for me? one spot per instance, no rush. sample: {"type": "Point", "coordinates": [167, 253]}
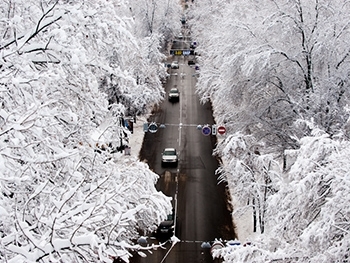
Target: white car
{"type": "Point", "coordinates": [174, 95]}
{"type": "Point", "coordinates": [175, 64]}
{"type": "Point", "coordinates": [169, 156]}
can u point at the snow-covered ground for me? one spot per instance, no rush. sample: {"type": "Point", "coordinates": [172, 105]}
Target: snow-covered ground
{"type": "Point", "coordinates": [136, 139]}
{"type": "Point", "coordinates": [243, 222]}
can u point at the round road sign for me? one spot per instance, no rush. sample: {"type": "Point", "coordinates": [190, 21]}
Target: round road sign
{"type": "Point", "coordinates": [206, 130]}
{"type": "Point", "coordinates": [152, 128]}
{"type": "Point", "coordinates": [221, 130]}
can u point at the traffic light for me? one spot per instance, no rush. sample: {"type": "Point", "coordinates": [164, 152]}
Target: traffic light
{"type": "Point", "coordinates": [213, 129]}
{"type": "Point", "coordinates": [145, 127]}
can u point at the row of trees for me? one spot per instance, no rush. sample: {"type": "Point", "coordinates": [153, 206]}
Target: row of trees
{"type": "Point", "coordinates": [69, 71]}
{"type": "Point", "coordinates": [277, 74]}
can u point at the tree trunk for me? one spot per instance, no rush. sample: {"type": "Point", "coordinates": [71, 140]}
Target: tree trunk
{"type": "Point", "coordinates": [254, 215]}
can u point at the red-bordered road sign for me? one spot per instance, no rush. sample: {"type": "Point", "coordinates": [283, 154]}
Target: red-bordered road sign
{"type": "Point", "coordinates": [221, 130]}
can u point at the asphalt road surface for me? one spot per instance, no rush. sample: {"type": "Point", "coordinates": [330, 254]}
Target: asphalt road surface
{"type": "Point", "coordinates": [202, 210]}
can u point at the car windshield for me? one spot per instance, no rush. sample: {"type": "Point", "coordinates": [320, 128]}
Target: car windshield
{"type": "Point", "coordinates": [174, 91]}
{"type": "Point", "coordinates": [169, 152]}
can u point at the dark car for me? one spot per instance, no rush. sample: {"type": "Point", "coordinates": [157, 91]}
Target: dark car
{"type": "Point", "coordinates": [166, 227]}
{"type": "Point", "coordinates": [191, 62]}
{"type": "Point", "coordinates": [174, 95]}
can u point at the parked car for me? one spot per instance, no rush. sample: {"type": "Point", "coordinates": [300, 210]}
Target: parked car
{"type": "Point", "coordinates": [175, 64]}
{"type": "Point", "coordinates": [169, 156]}
{"type": "Point", "coordinates": [191, 62]}
{"type": "Point", "coordinates": [174, 95]}
{"type": "Point", "coordinates": [166, 227]}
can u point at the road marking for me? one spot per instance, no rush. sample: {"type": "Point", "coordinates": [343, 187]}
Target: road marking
{"type": "Point", "coordinates": [166, 255]}
{"type": "Point", "coordinates": [175, 197]}
{"type": "Point", "coordinates": [192, 241]}
{"type": "Point", "coordinates": [180, 123]}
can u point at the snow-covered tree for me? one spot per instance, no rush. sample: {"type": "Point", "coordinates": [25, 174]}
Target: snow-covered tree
{"type": "Point", "coordinates": [313, 217]}
{"type": "Point", "coordinates": [157, 17]}
{"type": "Point", "coordinates": [307, 217]}
{"type": "Point", "coordinates": [251, 174]}
{"type": "Point", "coordinates": [66, 195]}
{"type": "Point", "coordinates": [274, 63]}
{"type": "Point", "coordinates": [277, 75]}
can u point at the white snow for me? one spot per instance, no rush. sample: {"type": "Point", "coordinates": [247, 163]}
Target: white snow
{"type": "Point", "coordinates": [136, 139]}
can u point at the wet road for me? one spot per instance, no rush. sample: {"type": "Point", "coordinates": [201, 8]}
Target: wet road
{"type": "Point", "coordinates": [202, 208]}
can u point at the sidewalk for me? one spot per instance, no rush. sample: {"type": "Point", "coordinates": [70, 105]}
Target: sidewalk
{"type": "Point", "coordinates": [136, 139]}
